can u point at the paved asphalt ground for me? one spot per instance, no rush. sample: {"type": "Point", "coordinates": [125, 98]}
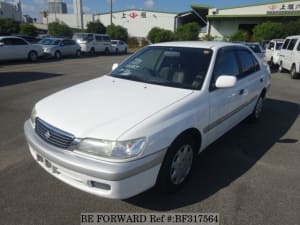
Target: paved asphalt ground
{"type": "Point", "coordinates": [250, 176]}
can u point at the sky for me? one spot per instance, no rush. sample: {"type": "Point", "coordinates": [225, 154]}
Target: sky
{"type": "Point", "coordinates": [33, 7]}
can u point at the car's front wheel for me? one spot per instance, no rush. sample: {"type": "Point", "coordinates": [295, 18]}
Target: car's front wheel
{"type": "Point", "coordinates": [294, 73]}
{"type": "Point", "coordinates": [57, 55]}
{"type": "Point", "coordinates": [32, 56]}
{"type": "Point", "coordinates": [177, 165]}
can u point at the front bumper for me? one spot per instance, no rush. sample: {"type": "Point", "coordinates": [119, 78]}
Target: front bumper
{"type": "Point", "coordinates": [106, 179]}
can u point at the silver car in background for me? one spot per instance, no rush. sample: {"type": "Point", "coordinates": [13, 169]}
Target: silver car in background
{"type": "Point", "coordinates": [60, 47]}
{"type": "Point", "coordinates": [257, 49]}
{"type": "Point", "coordinates": [12, 48]}
{"type": "Point", "coordinates": [119, 46]}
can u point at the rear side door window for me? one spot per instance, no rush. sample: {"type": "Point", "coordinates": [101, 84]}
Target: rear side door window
{"type": "Point", "coordinates": [98, 38]}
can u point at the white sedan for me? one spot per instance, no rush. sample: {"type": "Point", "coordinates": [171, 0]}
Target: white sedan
{"type": "Point", "coordinates": [144, 123]}
{"type": "Point", "coordinates": [119, 46]}
{"type": "Point", "coordinates": [17, 48]}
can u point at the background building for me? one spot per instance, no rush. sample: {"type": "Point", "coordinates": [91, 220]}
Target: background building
{"type": "Point", "coordinates": [57, 6]}
{"type": "Point", "coordinates": [224, 22]}
{"type": "Point", "coordinates": [139, 22]}
{"type": "Point", "coordinates": [11, 11]}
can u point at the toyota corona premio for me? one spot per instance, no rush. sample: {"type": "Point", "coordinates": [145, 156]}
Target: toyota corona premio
{"type": "Point", "coordinates": [143, 124]}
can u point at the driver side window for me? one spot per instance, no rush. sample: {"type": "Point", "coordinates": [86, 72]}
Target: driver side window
{"type": "Point", "coordinates": [226, 64]}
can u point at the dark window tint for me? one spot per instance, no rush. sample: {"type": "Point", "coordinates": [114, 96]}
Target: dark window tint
{"type": "Point", "coordinates": [271, 45]}
{"type": "Point", "coordinates": [278, 45]}
{"type": "Point", "coordinates": [106, 38]}
{"type": "Point", "coordinates": [14, 41]}
{"type": "Point", "coordinates": [248, 65]}
{"type": "Point", "coordinates": [298, 47]}
{"type": "Point", "coordinates": [98, 38]}
{"type": "Point", "coordinates": [285, 44]}
{"type": "Point", "coordinates": [292, 44]}
{"type": "Point", "coordinates": [226, 64]}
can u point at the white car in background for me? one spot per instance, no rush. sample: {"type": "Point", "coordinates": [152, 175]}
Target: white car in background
{"type": "Point", "coordinates": [289, 56]}
{"type": "Point", "coordinates": [119, 46]}
{"type": "Point", "coordinates": [93, 43]}
{"type": "Point", "coordinates": [272, 51]}
{"type": "Point", "coordinates": [12, 48]}
{"type": "Point", "coordinates": [144, 123]}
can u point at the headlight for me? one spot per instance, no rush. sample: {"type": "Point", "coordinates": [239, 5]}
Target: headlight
{"type": "Point", "coordinates": [33, 116]}
{"type": "Point", "coordinates": [112, 149]}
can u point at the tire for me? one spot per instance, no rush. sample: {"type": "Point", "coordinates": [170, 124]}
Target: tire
{"type": "Point", "coordinates": [280, 68]}
{"type": "Point", "coordinates": [272, 65]}
{"type": "Point", "coordinates": [92, 52]}
{"type": "Point", "coordinates": [177, 165]}
{"type": "Point", "coordinates": [258, 109]}
{"type": "Point", "coordinates": [57, 55]}
{"type": "Point", "coordinates": [32, 56]}
{"type": "Point", "coordinates": [106, 52]}
{"type": "Point", "coordinates": [78, 54]}
{"type": "Point", "coordinates": [293, 72]}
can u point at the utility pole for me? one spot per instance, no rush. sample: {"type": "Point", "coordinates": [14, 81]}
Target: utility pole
{"type": "Point", "coordinates": [111, 12]}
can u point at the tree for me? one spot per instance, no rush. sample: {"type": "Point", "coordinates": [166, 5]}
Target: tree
{"type": "Point", "coordinates": [117, 32]}
{"type": "Point", "coordinates": [59, 30]}
{"type": "Point", "coordinates": [8, 26]}
{"type": "Point", "coordinates": [187, 32]}
{"type": "Point", "coordinates": [240, 35]}
{"type": "Point", "coordinates": [28, 29]}
{"type": "Point", "coordinates": [96, 27]}
{"type": "Point", "coordinates": [157, 35]}
{"type": "Point", "coordinates": [290, 28]}
{"type": "Point", "coordinates": [270, 30]}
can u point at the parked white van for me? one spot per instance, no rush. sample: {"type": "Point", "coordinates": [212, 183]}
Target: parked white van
{"type": "Point", "coordinates": [289, 57]}
{"type": "Point", "coordinates": [93, 43]}
{"type": "Point", "coordinates": [272, 51]}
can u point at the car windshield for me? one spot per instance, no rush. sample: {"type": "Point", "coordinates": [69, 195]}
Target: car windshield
{"type": "Point", "coordinates": [278, 45]}
{"type": "Point", "coordinates": [48, 41]}
{"type": "Point", "coordinates": [255, 47]}
{"type": "Point", "coordinates": [180, 67]}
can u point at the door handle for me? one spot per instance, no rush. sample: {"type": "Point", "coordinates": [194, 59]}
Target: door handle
{"type": "Point", "coordinates": [241, 92]}
{"type": "Point", "coordinates": [261, 80]}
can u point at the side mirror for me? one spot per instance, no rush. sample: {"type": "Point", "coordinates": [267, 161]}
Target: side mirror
{"type": "Point", "coordinates": [226, 81]}
{"type": "Point", "coordinates": [114, 66]}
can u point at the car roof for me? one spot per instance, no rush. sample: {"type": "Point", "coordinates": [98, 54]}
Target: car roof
{"type": "Point", "coordinates": [197, 44]}
{"type": "Point", "coordinates": [10, 37]}
{"type": "Point", "coordinates": [294, 36]}
{"type": "Point", "coordinates": [55, 38]}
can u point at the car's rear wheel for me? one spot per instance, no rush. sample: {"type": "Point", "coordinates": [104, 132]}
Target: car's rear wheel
{"type": "Point", "coordinates": [106, 52]}
{"type": "Point", "coordinates": [293, 72]}
{"type": "Point", "coordinates": [78, 53]}
{"type": "Point", "coordinates": [257, 112]}
{"type": "Point", "coordinates": [57, 55]}
{"type": "Point", "coordinates": [177, 165]}
{"type": "Point", "coordinates": [32, 56]}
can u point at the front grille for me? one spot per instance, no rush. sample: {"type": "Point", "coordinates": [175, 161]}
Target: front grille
{"type": "Point", "coordinates": [53, 135]}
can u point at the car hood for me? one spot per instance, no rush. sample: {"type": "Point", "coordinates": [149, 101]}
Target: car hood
{"type": "Point", "coordinates": [106, 107]}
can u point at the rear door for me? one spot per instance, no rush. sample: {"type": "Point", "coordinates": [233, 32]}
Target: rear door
{"type": "Point", "coordinates": [250, 83]}
{"type": "Point", "coordinates": [5, 49]}
{"type": "Point", "coordinates": [19, 49]}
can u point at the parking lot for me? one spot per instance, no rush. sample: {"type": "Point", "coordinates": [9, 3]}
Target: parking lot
{"type": "Point", "coordinates": [249, 176]}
